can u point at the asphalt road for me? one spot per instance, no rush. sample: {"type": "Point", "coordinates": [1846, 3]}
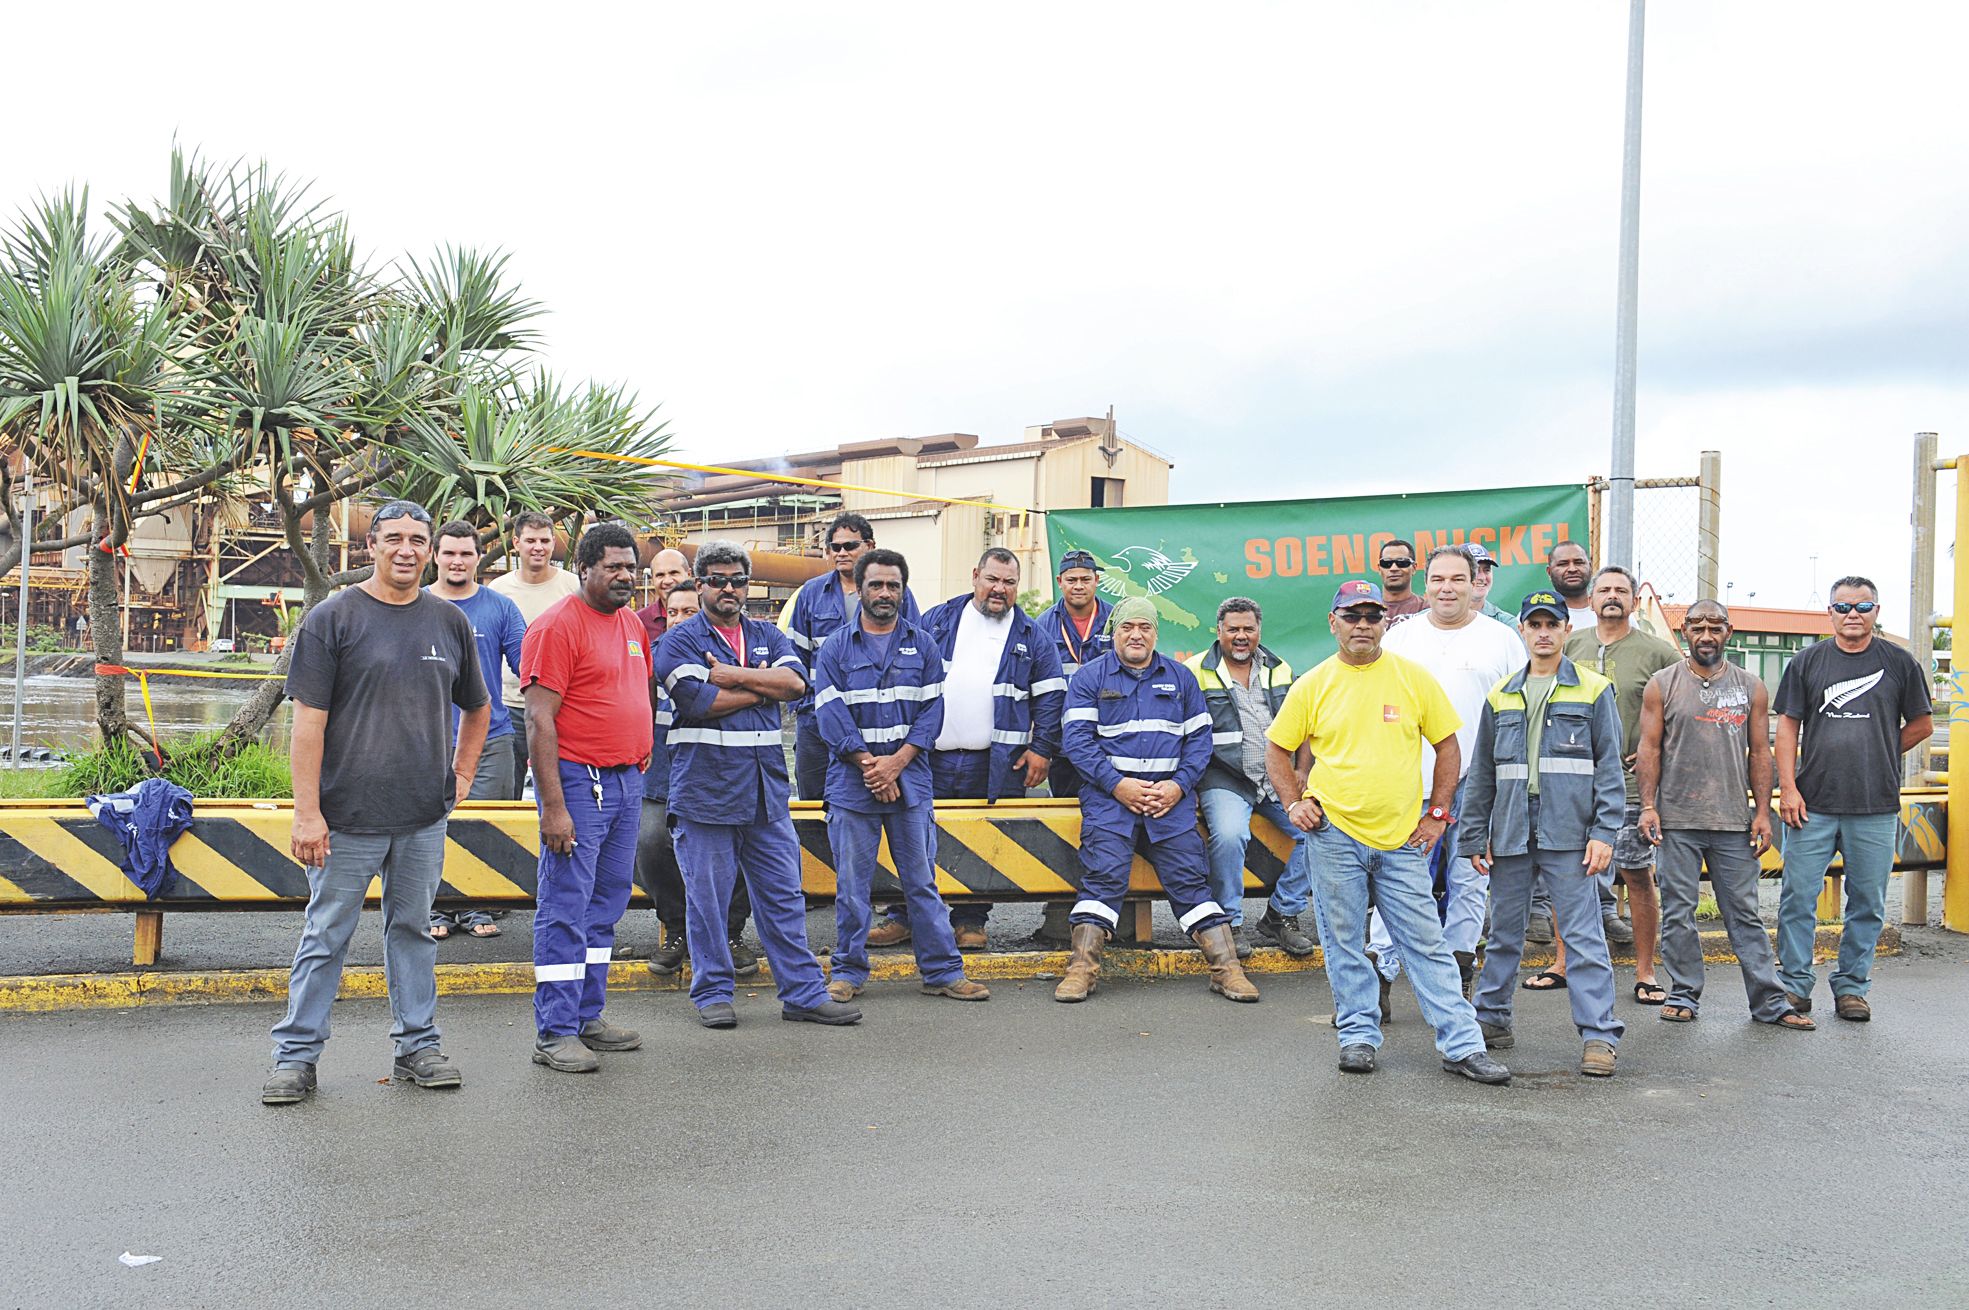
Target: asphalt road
{"type": "Point", "coordinates": [1154, 1145]}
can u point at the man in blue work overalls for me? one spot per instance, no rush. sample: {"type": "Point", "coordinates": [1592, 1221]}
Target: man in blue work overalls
{"type": "Point", "coordinates": [878, 697]}
{"type": "Point", "coordinates": [1138, 731]}
{"type": "Point", "coordinates": [727, 676]}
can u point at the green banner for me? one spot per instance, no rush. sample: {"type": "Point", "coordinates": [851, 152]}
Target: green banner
{"type": "Point", "coordinates": [1291, 555]}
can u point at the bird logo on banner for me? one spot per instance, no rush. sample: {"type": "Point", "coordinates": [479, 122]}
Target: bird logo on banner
{"type": "Point", "coordinates": [1146, 567]}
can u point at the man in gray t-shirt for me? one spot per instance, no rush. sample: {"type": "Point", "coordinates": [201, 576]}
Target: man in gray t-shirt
{"type": "Point", "coordinates": [1704, 771]}
{"type": "Point", "coordinates": [375, 673]}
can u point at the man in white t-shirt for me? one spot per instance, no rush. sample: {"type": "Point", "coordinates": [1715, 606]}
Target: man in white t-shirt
{"type": "Point", "coordinates": [536, 584]}
{"type": "Point", "coordinates": [1468, 654]}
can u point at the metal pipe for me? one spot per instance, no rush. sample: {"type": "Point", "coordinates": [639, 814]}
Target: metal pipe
{"type": "Point", "coordinates": [1620, 505]}
{"type": "Point", "coordinates": [20, 617]}
{"type": "Point", "coordinates": [1709, 525]}
{"type": "Point", "coordinates": [1921, 571]}
{"type": "Point", "coordinates": [1955, 885]}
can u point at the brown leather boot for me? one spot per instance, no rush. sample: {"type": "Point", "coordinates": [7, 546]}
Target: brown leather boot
{"type": "Point", "coordinates": [1084, 966]}
{"type": "Point", "coordinates": [1227, 978]}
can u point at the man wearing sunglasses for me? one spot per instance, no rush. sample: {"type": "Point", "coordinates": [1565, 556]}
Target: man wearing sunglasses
{"type": "Point", "coordinates": [1848, 709]}
{"type": "Point", "coordinates": [727, 676]}
{"type": "Point", "coordinates": [1396, 561]}
{"type": "Point", "coordinates": [823, 605]}
{"type": "Point", "coordinates": [1363, 715]}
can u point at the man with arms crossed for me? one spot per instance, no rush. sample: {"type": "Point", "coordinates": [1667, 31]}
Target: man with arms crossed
{"type": "Point", "coordinates": [1848, 709]}
{"type": "Point", "coordinates": [536, 584]}
{"type": "Point", "coordinates": [727, 676]}
{"type": "Point", "coordinates": [1705, 775]}
{"type": "Point", "coordinates": [376, 670]}
{"type": "Point", "coordinates": [1364, 715]}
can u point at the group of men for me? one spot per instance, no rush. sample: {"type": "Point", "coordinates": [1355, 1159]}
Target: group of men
{"type": "Point", "coordinates": [1437, 761]}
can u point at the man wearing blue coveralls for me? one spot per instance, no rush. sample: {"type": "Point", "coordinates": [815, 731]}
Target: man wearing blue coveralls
{"type": "Point", "coordinates": [727, 676]}
{"type": "Point", "coordinates": [878, 700]}
{"type": "Point", "coordinates": [1137, 730]}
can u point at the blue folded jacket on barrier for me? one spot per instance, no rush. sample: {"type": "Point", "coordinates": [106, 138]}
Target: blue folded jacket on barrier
{"type": "Point", "coordinates": [146, 819]}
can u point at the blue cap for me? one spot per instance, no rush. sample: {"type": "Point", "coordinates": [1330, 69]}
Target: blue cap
{"type": "Point", "coordinates": [1358, 593]}
{"type": "Point", "coordinates": [1078, 559]}
{"type": "Point", "coordinates": [1543, 600]}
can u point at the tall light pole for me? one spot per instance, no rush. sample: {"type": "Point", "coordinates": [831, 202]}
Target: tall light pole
{"type": "Point", "coordinates": [1620, 501]}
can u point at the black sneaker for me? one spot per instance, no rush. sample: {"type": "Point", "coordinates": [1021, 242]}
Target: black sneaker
{"type": "Point", "coordinates": [1617, 929]}
{"type": "Point", "coordinates": [1357, 1059]}
{"type": "Point", "coordinates": [288, 1084]}
{"type": "Point", "coordinates": [1284, 932]}
{"type": "Point", "coordinates": [830, 1012]}
{"type": "Point", "coordinates": [745, 960]}
{"type": "Point", "coordinates": [666, 960]}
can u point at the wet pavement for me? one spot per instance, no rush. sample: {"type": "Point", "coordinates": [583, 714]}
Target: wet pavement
{"type": "Point", "coordinates": [1154, 1145]}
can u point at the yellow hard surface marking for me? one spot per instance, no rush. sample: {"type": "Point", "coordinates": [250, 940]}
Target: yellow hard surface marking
{"type": "Point", "coordinates": [474, 877]}
{"type": "Point", "coordinates": [990, 844]}
{"type": "Point", "coordinates": [73, 857]}
{"type": "Point", "coordinates": [46, 992]}
{"type": "Point", "coordinates": [218, 875]}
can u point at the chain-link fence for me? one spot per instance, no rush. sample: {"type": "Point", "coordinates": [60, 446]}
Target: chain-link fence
{"type": "Point", "coordinates": [1675, 549]}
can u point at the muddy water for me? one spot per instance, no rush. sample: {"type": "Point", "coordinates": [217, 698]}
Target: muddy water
{"type": "Point", "coordinates": [61, 712]}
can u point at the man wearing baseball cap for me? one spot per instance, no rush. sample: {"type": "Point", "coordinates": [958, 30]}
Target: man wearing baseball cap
{"type": "Point", "coordinates": [1483, 564]}
{"type": "Point", "coordinates": [1347, 743]}
{"type": "Point", "coordinates": [1542, 803]}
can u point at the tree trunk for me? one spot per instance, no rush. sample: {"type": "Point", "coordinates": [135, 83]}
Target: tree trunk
{"type": "Point", "coordinates": [106, 628]}
{"type": "Point", "coordinates": [252, 717]}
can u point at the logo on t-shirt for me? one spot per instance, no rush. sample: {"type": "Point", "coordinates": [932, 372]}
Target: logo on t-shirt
{"type": "Point", "coordinates": [432, 656]}
{"type": "Point", "coordinates": [635, 648]}
{"type": "Point", "coordinates": [1841, 694]}
{"type": "Point", "coordinates": [1391, 714]}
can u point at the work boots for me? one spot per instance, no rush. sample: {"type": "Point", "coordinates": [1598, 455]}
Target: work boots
{"type": "Point", "coordinates": [1084, 966]}
{"type": "Point", "coordinates": [1226, 974]}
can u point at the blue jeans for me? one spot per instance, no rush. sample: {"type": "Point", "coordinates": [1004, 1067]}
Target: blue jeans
{"type": "Point", "coordinates": [1343, 871]}
{"type": "Point", "coordinates": [1459, 889]}
{"type": "Point", "coordinates": [409, 864]}
{"type": "Point", "coordinates": [1227, 820]}
{"type": "Point", "coordinates": [1867, 842]}
{"type": "Point", "coordinates": [857, 841]}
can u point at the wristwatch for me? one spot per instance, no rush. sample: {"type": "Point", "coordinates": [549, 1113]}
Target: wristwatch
{"type": "Point", "coordinates": [1441, 815]}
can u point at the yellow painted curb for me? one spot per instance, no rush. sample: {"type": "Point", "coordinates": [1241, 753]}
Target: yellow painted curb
{"type": "Point", "coordinates": [40, 993]}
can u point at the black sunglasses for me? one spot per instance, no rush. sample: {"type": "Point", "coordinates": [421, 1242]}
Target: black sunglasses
{"type": "Point", "coordinates": [1848, 606]}
{"type": "Point", "coordinates": [725, 581]}
{"type": "Point", "coordinates": [1398, 563]}
{"type": "Point", "coordinates": [842, 547]}
{"type": "Point", "coordinates": [1358, 618]}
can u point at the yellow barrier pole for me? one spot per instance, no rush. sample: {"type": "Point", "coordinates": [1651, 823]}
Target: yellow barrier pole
{"type": "Point", "coordinates": [1955, 886]}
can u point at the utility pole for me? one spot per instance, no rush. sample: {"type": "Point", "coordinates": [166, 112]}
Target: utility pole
{"type": "Point", "coordinates": [20, 615]}
{"type": "Point", "coordinates": [1620, 503]}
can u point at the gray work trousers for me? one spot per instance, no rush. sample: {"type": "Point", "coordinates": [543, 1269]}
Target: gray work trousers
{"type": "Point", "coordinates": [1733, 881]}
{"type": "Point", "coordinates": [410, 864]}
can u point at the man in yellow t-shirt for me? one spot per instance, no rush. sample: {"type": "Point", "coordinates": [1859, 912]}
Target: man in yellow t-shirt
{"type": "Point", "coordinates": [1363, 714]}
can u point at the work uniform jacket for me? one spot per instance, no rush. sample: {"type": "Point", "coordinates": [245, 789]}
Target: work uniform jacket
{"type": "Point", "coordinates": [1581, 796]}
{"type": "Point", "coordinates": [1074, 652]}
{"type": "Point", "coordinates": [818, 608]}
{"type": "Point", "coordinates": [1149, 724]}
{"type": "Point", "coordinates": [1270, 674]}
{"type": "Point", "coordinates": [865, 702]}
{"type": "Point", "coordinates": [1026, 694]}
{"type": "Point", "coordinates": [730, 769]}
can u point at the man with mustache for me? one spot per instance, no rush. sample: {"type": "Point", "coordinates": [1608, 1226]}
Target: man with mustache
{"type": "Point", "coordinates": [1705, 778]}
{"type": "Point", "coordinates": [586, 670]}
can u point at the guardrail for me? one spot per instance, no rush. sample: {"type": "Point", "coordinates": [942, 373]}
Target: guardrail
{"type": "Point", "coordinates": [55, 858]}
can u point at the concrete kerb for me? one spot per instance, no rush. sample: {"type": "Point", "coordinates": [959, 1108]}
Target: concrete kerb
{"type": "Point", "coordinates": [41, 993]}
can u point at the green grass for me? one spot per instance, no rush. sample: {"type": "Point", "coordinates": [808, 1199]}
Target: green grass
{"type": "Point", "coordinates": [255, 773]}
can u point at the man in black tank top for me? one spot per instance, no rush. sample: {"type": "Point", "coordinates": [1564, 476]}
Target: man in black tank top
{"type": "Point", "coordinates": [1705, 776]}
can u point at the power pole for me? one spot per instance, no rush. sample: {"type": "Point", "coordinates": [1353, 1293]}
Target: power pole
{"type": "Point", "coordinates": [1620, 503]}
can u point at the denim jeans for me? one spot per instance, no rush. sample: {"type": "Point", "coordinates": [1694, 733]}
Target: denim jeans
{"type": "Point", "coordinates": [1227, 819]}
{"type": "Point", "coordinates": [409, 864]}
{"type": "Point", "coordinates": [1867, 842]}
{"type": "Point", "coordinates": [1344, 870]}
{"type": "Point", "coordinates": [1460, 890]}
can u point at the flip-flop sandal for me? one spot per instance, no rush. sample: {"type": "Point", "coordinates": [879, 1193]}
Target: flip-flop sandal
{"type": "Point", "coordinates": [1677, 1014]}
{"type": "Point", "coordinates": [486, 929]}
{"type": "Point", "coordinates": [1796, 1022]}
{"type": "Point", "coordinates": [440, 931]}
{"type": "Point", "coordinates": [1546, 981]}
{"type": "Point", "coordinates": [1642, 988]}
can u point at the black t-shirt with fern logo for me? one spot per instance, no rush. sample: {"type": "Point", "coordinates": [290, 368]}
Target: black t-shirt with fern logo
{"type": "Point", "coordinates": [1850, 707]}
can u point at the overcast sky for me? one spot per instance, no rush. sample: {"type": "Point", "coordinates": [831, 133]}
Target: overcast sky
{"type": "Point", "coordinates": [1304, 249]}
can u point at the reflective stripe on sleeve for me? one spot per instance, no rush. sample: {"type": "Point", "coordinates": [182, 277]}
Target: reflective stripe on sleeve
{"type": "Point", "coordinates": [1005, 738]}
{"type": "Point", "coordinates": [1086, 715]}
{"type": "Point", "coordinates": [1010, 689]}
{"type": "Point", "coordinates": [1170, 726]}
{"type": "Point", "coordinates": [1045, 685]}
{"type": "Point", "coordinates": [683, 671]}
{"type": "Point", "coordinates": [1228, 738]}
{"type": "Point", "coordinates": [1195, 723]}
{"type": "Point", "coordinates": [894, 732]}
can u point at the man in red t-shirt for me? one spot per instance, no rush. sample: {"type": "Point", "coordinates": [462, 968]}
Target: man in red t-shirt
{"type": "Point", "coordinates": [585, 671]}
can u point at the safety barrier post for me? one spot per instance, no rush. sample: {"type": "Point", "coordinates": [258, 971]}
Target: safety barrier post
{"type": "Point", "coordinates": [1955, 885]}
{"type": "Point", "coordinates": [1921, 643]}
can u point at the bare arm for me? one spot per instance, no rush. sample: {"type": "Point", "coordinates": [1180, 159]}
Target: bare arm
{"type": "Point", "coordinates": [1647, 761]}
{"type": "Point", "coordinates": [310, 838]}
{"type": "Point", "coordinates": [471, 744]}
{"type": "Point", "coordinates": [1442, 790]}
{"type": "Point", "coordinates": [1916, 731]}
{"type": "Point", "coordinates": [543, 747]}
{"type": "Point", "coordinates": [1760, 768]}
{"type": "Point", "coordinates": [1791, 805]}
{"type": "Point", "coordinates": [1288, 771]}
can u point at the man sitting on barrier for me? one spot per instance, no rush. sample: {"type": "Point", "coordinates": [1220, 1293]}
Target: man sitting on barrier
{"type": "Point", "coordinates": [586, 673]}
{"type": "Point", "coordinates": [1137, 730]}
{"type": "Point", "coordinates": [727, 676]}
{"type": "Point", "coordinates": [878, 701]}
